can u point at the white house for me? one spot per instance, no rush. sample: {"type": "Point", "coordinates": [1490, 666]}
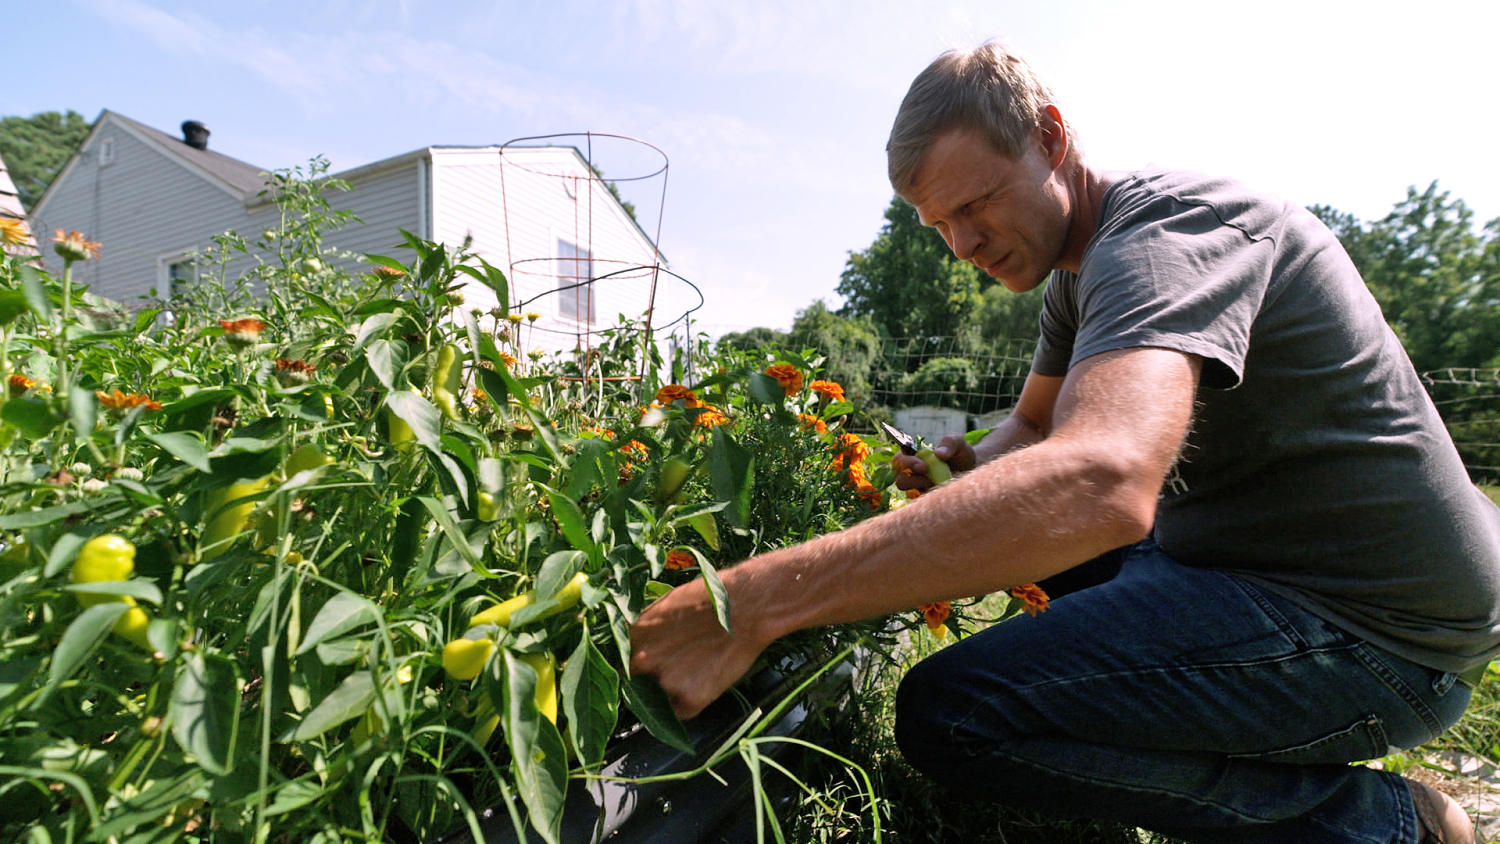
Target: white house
{"type": "Point", "coordinates": [572, 252]}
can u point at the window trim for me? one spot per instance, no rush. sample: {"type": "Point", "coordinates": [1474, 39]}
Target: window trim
{"type": "Point", "coordinates": [592, 316]}
{"type": "Point", "coordinates": [164, 264]}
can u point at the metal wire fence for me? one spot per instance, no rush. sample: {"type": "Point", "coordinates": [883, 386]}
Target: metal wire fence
{"type": "Point", "coordinates": [983, 377]}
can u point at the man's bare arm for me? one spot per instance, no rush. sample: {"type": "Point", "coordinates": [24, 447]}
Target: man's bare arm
{"type": "Point", "coordinates": [1091, 485]}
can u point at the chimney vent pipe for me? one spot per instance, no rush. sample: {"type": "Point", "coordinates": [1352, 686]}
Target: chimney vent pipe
{"type": "Point", "coordinates": [195, 134]}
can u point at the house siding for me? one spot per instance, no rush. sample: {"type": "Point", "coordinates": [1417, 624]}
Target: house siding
{"type": "Point", "coordinates": [385, 202]}
{"type": "Point", "coordinates": [125, 206]}
{"type": "Point", "coordinates": [530, 198]}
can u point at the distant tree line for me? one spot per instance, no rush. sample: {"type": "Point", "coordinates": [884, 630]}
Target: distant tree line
{"type": "Point", "coordinates": [1435, 273]}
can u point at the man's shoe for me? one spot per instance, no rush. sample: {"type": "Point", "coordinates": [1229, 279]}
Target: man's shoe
{"type": "Point", "coordinates": [1443, 821]}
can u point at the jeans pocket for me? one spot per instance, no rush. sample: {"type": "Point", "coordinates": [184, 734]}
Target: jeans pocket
{"type": "Point", "coordinates": [1364, 739]}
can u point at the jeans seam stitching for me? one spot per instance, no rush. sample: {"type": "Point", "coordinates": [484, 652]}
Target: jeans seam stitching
{"type": "Point", "coordinates": [1375, 665]}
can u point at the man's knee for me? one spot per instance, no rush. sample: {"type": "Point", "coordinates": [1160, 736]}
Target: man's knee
{"type": "Point", "coordinates": [935, 712]}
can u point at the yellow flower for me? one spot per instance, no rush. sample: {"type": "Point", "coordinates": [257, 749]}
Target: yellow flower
{"type": "Point", "coordinates": [13, 232]}
{"type": "Point", "coordinates": [532, 316]}
{"type": "Point", "coordinates": [73, 246]}
{"type": "Point", "coordinates": [828, 389]}
{"type": "Point", "coordinates": [514, 318]}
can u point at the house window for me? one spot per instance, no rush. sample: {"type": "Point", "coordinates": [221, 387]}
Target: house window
{"type": "Point", "coordinates": [575, 290]}
{"type": "Point", "coordinates": [106, 151]}
{"type": "Point", "coordinates": [179, 274]}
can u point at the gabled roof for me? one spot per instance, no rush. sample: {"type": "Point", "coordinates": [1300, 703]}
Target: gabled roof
{"type": "Point", "coordinates": [246, 179]}
{"type": "Point", "coordinates": [237, 178]}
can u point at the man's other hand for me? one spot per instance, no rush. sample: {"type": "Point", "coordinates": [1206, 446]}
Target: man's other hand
{"type": "Point", "coordinates": [911, 471]}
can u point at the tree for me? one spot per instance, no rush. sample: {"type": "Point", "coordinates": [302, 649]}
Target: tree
{"type": "Point", "coordinates": [35, 148]}
{"type": "Point", "coordinates": [851, 344]}
{"type": "Point", "coordinates": [908, 282]}
{"type": "Point", "coordinates": [1436, 277]}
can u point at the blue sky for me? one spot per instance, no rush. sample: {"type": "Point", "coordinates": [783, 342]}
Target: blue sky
{"type": "Point", "coordinates": [774, 113]}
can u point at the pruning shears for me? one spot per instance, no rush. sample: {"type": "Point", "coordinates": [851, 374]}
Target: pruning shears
{"type": "Point", "coordinates": [937, 470]}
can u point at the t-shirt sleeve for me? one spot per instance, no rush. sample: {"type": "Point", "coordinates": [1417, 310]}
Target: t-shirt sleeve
{"type": "Point", "coordinates": [1168, 274]}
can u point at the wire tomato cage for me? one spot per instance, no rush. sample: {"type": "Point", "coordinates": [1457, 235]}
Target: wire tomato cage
{"type": "Point", "coordinates": [586, 253]}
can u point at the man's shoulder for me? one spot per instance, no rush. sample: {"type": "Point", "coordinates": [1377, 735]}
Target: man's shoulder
{"type": "Point", "coordinates": [1150, 197]}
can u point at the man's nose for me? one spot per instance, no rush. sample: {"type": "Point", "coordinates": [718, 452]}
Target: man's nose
{"type": "Point", "coordinates": [965, 242]}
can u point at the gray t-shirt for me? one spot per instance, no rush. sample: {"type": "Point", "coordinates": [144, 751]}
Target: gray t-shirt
{"type": "Point", "coordinates": [1316, 462]}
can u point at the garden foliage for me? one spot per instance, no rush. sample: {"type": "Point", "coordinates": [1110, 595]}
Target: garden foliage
{"type": "Point", "coordinates": [385, 557]}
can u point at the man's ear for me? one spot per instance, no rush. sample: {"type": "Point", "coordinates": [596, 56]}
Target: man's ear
{"type": "Point", "coordinates": [1054, 135]}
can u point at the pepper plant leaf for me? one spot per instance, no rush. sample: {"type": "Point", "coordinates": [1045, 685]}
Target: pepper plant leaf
{"type": "Point", "coordinates": [590, 700]}
{"type": "Point", "coordinates": [538, 759]}
{"type": "Point", "coordinates": [205, 710]}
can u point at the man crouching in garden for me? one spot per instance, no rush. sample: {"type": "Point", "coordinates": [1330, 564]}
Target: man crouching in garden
{"type": "Point", "coordinates": [1287, 567]}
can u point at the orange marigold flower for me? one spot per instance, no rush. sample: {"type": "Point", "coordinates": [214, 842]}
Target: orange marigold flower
{"type": "Point", "coordinates": [675, 392]}
{"type": "Point", "coordinates": [479, 396]}
{"type": "Point", "coordinates": [851, 451]}
{"type": "Point", "coordinates": [383, 271]}
{"type": "Point", "coordinates": [240, 333]}
{"type": "Point", "coordinates": [914, 493]}
{"type": "Point", "coordinates": [678, 559]}
{"type": "Point", "coordinates": [935, 614]}
{"type": "Point", "coordinates": [509, 360]}
{"type": "Point", "coordinates": [19, 384]}
{"type": "Point", "coordinates": [600, 430]}
{"type": "Point", "coordinates": [813, 422]}
{"type": "Point", "coordinates": [294, 371]}
{"type": "Point", "coordinates": [709, 417]}
{"type": "Point", "coordinates": [73, 246]}
{"type": "Point", "coordinates": [830, 390]}
{"type": "Point", "coordinates": [1034, 596]}
{"type": "Point", "coordinates": [635, 447]}
{"type": "Point", "coordinates": [13, 232]}
{"type": "Point", "coordinates": [119, 401]}
{"type": "Point", "coordinates": [790, 377]}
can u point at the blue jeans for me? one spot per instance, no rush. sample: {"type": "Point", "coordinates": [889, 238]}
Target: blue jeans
{"type": "Point", "coordinates": [1186, 701]}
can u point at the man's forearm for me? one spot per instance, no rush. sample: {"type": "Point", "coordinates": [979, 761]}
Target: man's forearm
{"type": "Point", "coordinates": [1017, 519]}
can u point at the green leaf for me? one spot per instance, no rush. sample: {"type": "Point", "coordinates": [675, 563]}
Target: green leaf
{"type": "Point", "coordinates": [590, 701]}
{"type": "Point", "coordinates": [707, 527]}
{"type": "Point", "coordinates": [183, 445]}
{"type": "Point", "coordinates": [538, 759]}
{"type": "Point", "coordinates": [63, 552]}
{"type": "Point", "coordinates": [386, 360]}
{"type": "Point", "coordinates": [145, 590]}
{"type": "Point", "coordinates": [215, 395]}
{"type": "Point", "coordinates": [837, 408]}
{"type": "Point", "coordinates": [372, 327]}
{"type": "Point", "coordinates": [450, 529]}
{"type": "Point", "coordinates": [205, 710]}
{"type": "Point", "coordinates": [767, 390]}
{"type": "Point", "coordinates": [15, 674]}
{"type": "Point", "coordinates": [716, 593]}
{"type": "Point", "coordinates": [81, 638]}
{"type": "Point", "coordinates": [345, 703]}
{"type": "Point", "coordinates": [420, 414]}
{"type": "Point", "coordinates": [570, 519]}
{"type": "Point", "coordinates": [343, 612]}
{"type": "Point", "coordinates": [43, 516]}
{"type": "Point", "coordinates": [730, 468]}
{"type": "Point", "coordinates": [556, 571]}
{"type": "Point", "coordinates": [12, 305]}
{"type": "Point", "coordinates": [33, 417]}
{"type": "Point", "coordinates": [35, 293]}
{"type": "Point", "coordinates": [83, 408]}
{"type": "Point", "coordinates": [646, 699]}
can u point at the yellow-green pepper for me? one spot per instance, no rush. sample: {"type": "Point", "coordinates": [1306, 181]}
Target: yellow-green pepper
{"type": "Point", "coordinates": [500, 613]}
{"type": "Point", "coordinates": [447, 383]}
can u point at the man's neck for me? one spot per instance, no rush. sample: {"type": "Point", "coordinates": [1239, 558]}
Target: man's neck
{"type": "Point", "coordinates": [1086, 186]}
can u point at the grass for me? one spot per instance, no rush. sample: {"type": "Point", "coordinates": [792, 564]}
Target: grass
{"type": "Point", "coordinates": [1492, 491]}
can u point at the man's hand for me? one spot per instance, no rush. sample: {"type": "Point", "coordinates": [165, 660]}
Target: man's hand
{"type": "Point", "coordinates": [679, 640]}
{"type": "Point", "coordinates": [953, 449]}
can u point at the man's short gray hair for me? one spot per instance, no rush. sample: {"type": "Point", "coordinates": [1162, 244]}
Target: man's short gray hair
{"type": "Point", "coordinates": [989, 88]}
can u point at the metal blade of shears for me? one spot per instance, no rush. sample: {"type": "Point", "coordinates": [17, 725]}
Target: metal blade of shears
{"type": "Point", "coordinates": [906, 441]}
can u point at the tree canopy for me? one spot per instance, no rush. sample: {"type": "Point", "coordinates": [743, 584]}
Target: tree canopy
{"type": "Point", "coordinates": [35, 148]}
